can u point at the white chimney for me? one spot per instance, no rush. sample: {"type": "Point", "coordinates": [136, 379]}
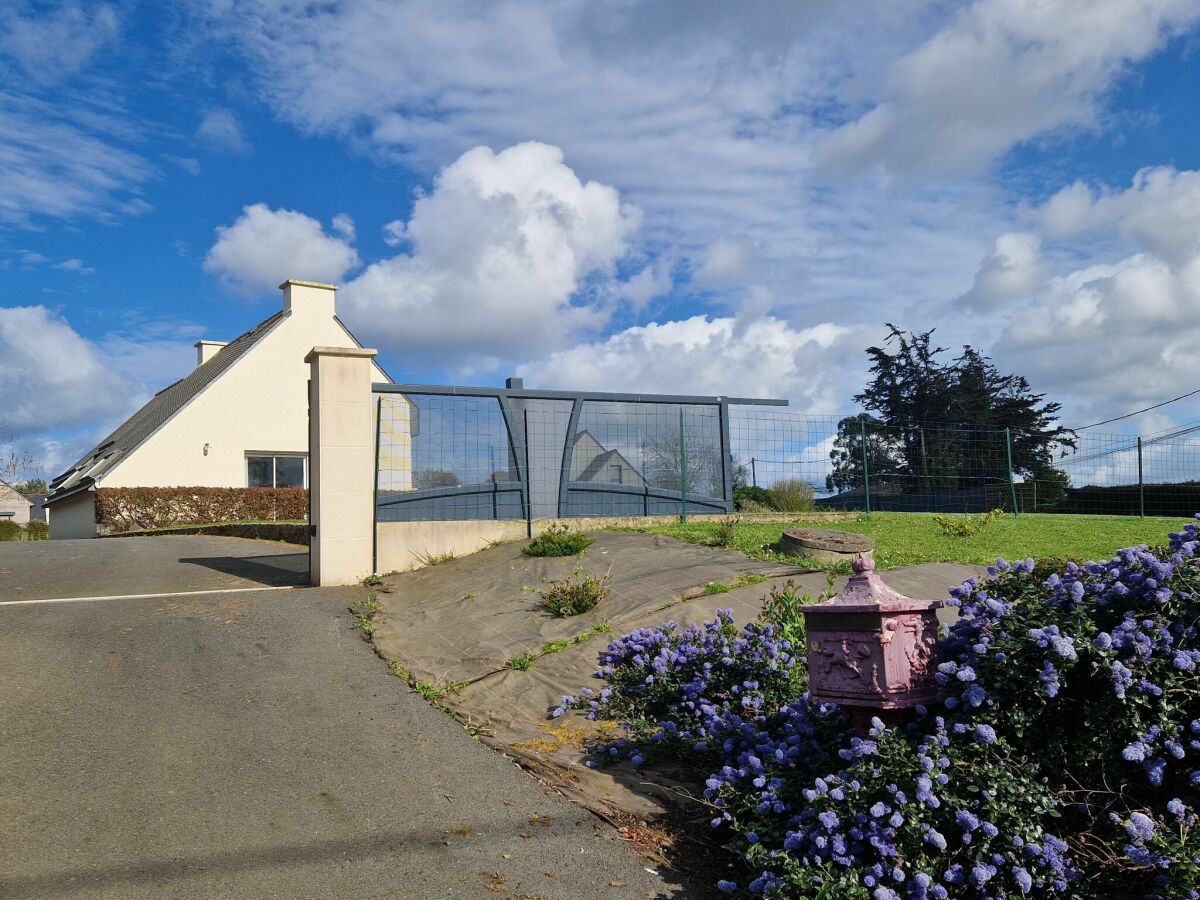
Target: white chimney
{"type": "Point", "coordinates": [309, 298]}
{"type": "Point", "coordinates": [206, 350]}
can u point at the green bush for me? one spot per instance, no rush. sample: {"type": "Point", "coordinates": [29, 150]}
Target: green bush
{"type": "Point", "coordinates": [37, 531]}
{"type": "Point", "coordinates": [557, 540]}
{"type": "Point", "coordinates": [575, 594]}
{"type": "Point", "coordinates": [784, 609]}
{"type": "Point", "coordinates": [792, 495]}
{"type": "Point", "coordinates": [752, 498]}
{"type": "Point", "coordinates": [9, 531]}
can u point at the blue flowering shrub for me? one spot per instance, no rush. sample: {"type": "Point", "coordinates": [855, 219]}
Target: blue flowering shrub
{"type": "Point", "coordinates": [1063, 759]}
{"type": "Point", "coordinates": [677, 691]}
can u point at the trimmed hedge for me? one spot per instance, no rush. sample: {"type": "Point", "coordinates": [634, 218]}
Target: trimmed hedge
{"type": "Point", "coordinates": [126, 509]}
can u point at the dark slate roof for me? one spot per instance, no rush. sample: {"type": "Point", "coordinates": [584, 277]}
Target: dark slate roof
{"type": "Point", "coordinates": [147, 420]}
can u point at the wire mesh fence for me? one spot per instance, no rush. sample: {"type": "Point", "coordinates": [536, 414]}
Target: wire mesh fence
{"type": "Point", "coordinates": [499, 455]}
{"type": "Point", "coordinates": [858, 463]}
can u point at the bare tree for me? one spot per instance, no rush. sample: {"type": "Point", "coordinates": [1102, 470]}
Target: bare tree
{"type": "Point", "coordinates": [13, 459]}
{"type": "Point", "coordinates": [702, 459]}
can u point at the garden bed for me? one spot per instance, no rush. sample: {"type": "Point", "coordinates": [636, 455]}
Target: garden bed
{"type": "Point", "coordinates": [471, 634]}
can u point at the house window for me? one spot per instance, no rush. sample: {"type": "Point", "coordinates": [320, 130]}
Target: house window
{"type": "Point", "coordinates": [276, 471]}
{"type": "Point", "coordinates": [616, 474]}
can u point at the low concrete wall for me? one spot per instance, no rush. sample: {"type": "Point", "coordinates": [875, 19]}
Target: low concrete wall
{"type": "Point", "coordinates": [74, 517]}
{"type": "Point", "coordinates": [401, 546]}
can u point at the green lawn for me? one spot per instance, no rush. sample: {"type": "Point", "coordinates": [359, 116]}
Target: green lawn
{"type": "Point", "coordinates": [905, 538]}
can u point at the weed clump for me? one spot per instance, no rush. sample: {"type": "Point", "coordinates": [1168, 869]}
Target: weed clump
{"type": "Point", "coordinates": [575, 594]}
{"type": "Point", "coordinates": [557, 540]}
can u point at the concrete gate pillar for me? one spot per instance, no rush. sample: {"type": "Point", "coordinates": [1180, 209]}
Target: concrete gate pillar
{"type": "Point", "coordinates": [341, 465]}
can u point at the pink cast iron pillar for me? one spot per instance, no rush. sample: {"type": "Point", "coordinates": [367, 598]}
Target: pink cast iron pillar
{"type": "Point", "coordinates": [872, 651]}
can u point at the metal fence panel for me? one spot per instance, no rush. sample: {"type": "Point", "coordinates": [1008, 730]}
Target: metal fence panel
{"type": "Point", "coordinates": [856, 463]}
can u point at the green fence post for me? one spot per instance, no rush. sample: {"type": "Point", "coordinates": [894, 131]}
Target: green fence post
{"type": "Point", "coordinates": [528, 479]}
{"type": "Point", "coordinates": [754, 471]}
{"type": "Point", "coordinates": [1141, 483]}
{"type": "Point", "coordinates": [1012, 485]}
{"type": "Point", "coordinates": [682, 471]}
{"type": "Point", "coordinates": [862, 425]}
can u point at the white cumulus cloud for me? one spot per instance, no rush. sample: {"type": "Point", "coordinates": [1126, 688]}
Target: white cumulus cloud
{"type": "Point", "coordinates": [51, 377]}
{"type": "Point", "coordinates": [1160, 211]}
{"type": "Point", "coordinates": [265, 246]}
{"type": "Point", "coordinates": [501, 251]}
{"type": "Point", "coordinates": [813, 367]}
{"type": "Point", "coordinates": [1011, 270]}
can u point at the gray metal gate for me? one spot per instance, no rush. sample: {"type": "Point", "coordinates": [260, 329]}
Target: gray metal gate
{"type": "Point", "coordinates": [461, 453]}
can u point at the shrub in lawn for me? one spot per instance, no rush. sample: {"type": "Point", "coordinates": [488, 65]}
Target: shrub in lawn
{"type": "Point", "coordinates": [792, 495]}
{"type": "Point", "coordinates": [752, 498]}
{"type": "Point", "coordinates": [37, 531]}
{"type": "Point", "coordinates": [1063, 759]}
{"type": "Point", "coordinates": [575, 594]}
{"type": "Point", "coordinates": [967, 526]}
{"type": "Point", "coordinates": [726, 533]}
{"type": "Point", "coordinates": [9, 531]}
{"type": "Point", "coordinates": [557, 540]}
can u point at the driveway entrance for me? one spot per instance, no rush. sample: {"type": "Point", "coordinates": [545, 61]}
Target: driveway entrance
{"type": "Point", "coordinates": [248, 744]}
{"type": "Point", "coordinates": [138, 566]}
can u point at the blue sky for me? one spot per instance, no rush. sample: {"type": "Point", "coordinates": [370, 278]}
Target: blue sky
{"type": "Point", "coordinates": [625, 195]}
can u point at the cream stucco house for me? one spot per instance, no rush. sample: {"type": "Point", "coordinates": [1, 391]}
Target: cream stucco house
{"type": "Point", "coordinates": [14, 506]}
{"type": "Point", "coordinates": [239, 419]}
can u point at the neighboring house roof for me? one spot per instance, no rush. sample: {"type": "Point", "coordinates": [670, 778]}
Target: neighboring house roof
{"type": "Point", "coordinates": [147, 420]}
{"type": "Point", "coordinates": [10, 497]}
{"type": "Point", "coordinates": [602, 459]}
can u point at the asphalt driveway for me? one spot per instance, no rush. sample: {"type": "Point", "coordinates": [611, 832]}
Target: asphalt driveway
{"type": "Point", "coordinates": [250, 745]}
{"type": "Point", "coordinates": [40, 570]}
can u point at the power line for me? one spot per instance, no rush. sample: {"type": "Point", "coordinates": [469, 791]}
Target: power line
{"type": "Point", "coordinates": [1140, 411]}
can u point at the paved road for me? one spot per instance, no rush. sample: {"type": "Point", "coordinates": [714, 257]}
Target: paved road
{"type": "Point", "coordinates": [38, 570]}
{"type": "Point", "coordinates": [250, 745]}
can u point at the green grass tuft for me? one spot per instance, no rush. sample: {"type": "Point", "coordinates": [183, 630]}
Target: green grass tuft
{"type": "Point", "coordinates": [433, 691]}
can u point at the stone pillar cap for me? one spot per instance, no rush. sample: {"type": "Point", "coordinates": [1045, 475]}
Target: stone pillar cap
{"type": "Point", "coordinates": [357, 352]}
